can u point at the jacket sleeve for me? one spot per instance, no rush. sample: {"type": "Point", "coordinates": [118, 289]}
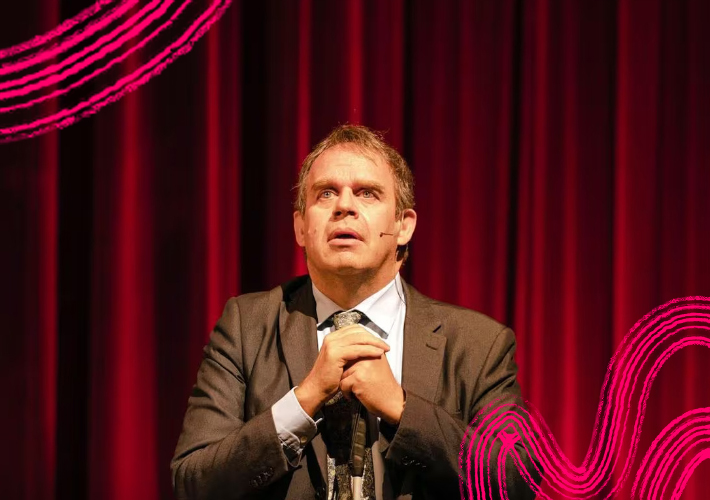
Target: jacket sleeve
{"type": "Point", "coordinates": [218, 454]}
{"type": "Point", "coordinates": [429, 439]}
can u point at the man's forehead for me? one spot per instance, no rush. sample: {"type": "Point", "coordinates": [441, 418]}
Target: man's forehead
{"type": "Point", "coordinates": [350, 161]}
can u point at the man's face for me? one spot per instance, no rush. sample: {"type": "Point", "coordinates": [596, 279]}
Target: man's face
{"type": "Point", "coordinates": [350, 200]}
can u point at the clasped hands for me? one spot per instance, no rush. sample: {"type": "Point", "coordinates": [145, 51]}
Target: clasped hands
{"type": "Point", "coordinates": [353, 361]}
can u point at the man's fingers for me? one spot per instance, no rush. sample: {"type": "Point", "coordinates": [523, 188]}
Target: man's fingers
{"type": "Point", "coordinates": [350, 368]}
{"type": "Point", "coordinates": [346, 387]}
{"type": "Point", "coordinates": [357, 335]}
{"type": "Point", "coordinates": [354, 352]}
{"type": "Point", "coordinates": [349, 371]}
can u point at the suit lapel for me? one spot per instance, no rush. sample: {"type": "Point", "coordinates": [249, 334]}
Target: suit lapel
{"type": "Point", "coordinates": [297, 324]}
{"type": "Point", "coordinates": [422, 360]}
{"type": "Point", "coordinates": [424, 346]}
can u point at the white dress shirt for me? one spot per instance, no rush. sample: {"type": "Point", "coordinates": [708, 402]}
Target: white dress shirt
{"type": "Point", "coordinates": [383, 315]}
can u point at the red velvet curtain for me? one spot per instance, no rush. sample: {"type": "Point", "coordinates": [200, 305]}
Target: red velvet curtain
{"type": "Point", "coordinates": [562, 157]}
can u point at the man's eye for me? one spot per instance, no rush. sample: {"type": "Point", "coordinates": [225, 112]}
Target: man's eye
{"type": "Point", "coordinates": [326, 194]}
{"type": "Point", "coordinates": [368, 194]}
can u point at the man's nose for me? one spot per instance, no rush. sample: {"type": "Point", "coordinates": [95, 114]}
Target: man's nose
{"type": "Point", "coordinates": [346, 204]}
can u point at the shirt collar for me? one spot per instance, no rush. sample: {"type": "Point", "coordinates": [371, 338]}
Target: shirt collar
{"type": "Point", "coordinates": [380, 308]}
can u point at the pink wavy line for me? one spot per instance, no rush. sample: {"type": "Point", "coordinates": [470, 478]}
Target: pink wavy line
{"type": "Point", "coordinates": [688, 471]}
{"type": "Point", "coordinates": [515, 429]}
{"type": "Point", "coordinates": [69, 41]}
{"type": "Point", "coordinates": [58, 31]}
{"type": "Point", "coordinates": [113, 92]}
{"type": "Point", "coordinates": [88, 61]}
{"type": "Point", "coordinates": [81, 59]}
{"type": "Point", "coordinates": [672, 445]}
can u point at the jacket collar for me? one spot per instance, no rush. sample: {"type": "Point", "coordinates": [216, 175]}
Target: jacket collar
{"type": "Point", "coordinates": [378, 309]}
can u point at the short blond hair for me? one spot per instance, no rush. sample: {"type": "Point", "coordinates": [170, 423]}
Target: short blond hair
{"type": "Point", "coordinates": [366, 141]}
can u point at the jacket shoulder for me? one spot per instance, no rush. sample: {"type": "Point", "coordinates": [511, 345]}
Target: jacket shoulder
{"type": "Point", "coordinates": [265, 303]}
{"type": "Point", "coordinates": [456, 319]}
{"type": "Point", "coordinates": [468, 317]}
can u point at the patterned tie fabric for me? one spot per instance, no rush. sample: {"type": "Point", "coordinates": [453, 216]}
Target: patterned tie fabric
{"type": "Point", "coordinates": [337, 434]}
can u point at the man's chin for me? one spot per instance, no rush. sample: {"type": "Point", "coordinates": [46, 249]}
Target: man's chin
{"type": "Point", "coordinates": [346, 265]}
{"type": "Point", "coordinates": [348, 268]}
{"type": "Point", "coordinates": [350, 271]}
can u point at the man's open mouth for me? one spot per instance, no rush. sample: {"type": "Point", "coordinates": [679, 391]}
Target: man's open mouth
{"type": "Point", "coordinates": [345, 235]}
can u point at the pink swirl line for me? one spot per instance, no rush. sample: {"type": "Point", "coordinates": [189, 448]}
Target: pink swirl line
{"type": "Point", "coordinates": [647, 346]}
{"type": "Point", "coordinates": [68, 42]}
{"type": "Point", "coordinates": [79, 60]}
{"type": "Point", "coordinates": [66, 26]}
{"type": "Point", "coordinates": [93, 74]}
{"type": "Point", "coordinates": [114, 45]}
{"type": "Point", "coordinates": [688, 471]}
{"type": "Point", "coordinates": [677, 441]}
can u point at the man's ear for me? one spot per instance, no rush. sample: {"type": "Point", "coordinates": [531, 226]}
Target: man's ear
{"type": "Point", "coordinates": [407, 224]}
{"type": "Point", "coordinates": [298, 228]}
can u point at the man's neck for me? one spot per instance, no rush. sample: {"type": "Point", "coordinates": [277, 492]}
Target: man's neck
{"type": "Point", "coordinates": [348, 291]}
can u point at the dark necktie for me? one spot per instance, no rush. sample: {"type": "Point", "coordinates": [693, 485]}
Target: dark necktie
{"type": "Point", "coordinates": [339, 417]}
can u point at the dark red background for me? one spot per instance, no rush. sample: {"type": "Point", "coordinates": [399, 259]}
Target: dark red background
{"type": "Point", "coordinates": [562, 157]}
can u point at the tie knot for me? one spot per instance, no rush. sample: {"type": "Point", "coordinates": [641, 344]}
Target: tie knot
{"type": "Point", "coordinates": [346, 318]}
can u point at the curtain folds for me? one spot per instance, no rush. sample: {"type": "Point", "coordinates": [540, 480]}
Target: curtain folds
{"type": "Point", "coordinates": [562, 165]}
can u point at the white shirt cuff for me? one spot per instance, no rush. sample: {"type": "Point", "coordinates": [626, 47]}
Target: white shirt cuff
{"type": "Point", "coordinates": [294, 426]}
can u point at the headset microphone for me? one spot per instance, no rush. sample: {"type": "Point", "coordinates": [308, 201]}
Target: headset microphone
{"type": "Point", "coordinates": [383, 234]}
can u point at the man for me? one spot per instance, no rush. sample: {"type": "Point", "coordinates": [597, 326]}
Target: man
{"type": "Point", "coordinates": [261, 419]}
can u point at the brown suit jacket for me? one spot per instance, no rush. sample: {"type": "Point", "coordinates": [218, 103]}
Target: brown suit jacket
{"type": "Point", "coordinates": [455, 361]}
